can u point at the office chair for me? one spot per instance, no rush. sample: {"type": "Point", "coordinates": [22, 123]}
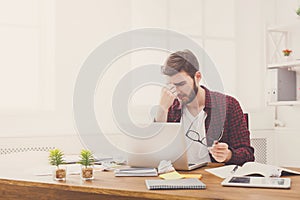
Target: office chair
{"type": "Point", "coordinates": [259, 145]}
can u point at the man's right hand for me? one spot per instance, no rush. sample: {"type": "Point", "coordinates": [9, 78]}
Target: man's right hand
{"type": "Point", "coordinates": [168, 95]}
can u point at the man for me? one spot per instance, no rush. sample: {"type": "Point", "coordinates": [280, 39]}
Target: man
{"type": "Point", "coordinates": [214, 120]}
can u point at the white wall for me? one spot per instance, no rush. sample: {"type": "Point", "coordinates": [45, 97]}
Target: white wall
{"type": "Point", "coordinates": [286, 137]}
{"type": "Point", "coordinates": [194, 19]}
{"type": "Point", "coordinates": [286, 15]}
{"type": "Point", "coordinates": [75, 28]}
{"type": "Point", "coordinates": [78, 27]}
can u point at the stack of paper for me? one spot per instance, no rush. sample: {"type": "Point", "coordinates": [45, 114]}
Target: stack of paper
{"type": "Point", "coordinates": [176, 175]}
{"type": "Point", "coordinates": [171, 176]}
{"type": "Point", "coordinates": [136, 172]}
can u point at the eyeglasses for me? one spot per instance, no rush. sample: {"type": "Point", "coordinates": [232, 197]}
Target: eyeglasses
{"type": "Point", "coordinates": [195, 136]}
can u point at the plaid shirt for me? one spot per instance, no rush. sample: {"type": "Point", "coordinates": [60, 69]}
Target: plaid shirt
{"type": "Point", "coordinates": [223, 113]}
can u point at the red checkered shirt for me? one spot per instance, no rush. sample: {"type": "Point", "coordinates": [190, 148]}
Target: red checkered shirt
{"type": "Point", "coordinates": [223, 113]}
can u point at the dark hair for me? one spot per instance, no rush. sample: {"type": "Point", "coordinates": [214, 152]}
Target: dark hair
{"type": "Point", "coordinates": [181, 61]}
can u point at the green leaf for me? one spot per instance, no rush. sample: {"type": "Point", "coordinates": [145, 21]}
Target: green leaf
{"type": "Point", "coordinates": [56, 157]}
{"type": "Point", "coordinates": [298, 11]}
{"type": "Point", "coordinates": [86, 157]}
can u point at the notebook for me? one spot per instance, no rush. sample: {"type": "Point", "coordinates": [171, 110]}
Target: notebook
{"type": "Point", "coordinates": [136, 172]}
{"type": "Point", "coordinates": [189, 183]}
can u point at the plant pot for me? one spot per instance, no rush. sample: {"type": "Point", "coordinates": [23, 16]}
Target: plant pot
{"type": "Point", "coordinates": [287, 58]}
{"type": "Point", "coordinates": [87, 173]}
{"type": "Point", "coordinates": [60, 173]}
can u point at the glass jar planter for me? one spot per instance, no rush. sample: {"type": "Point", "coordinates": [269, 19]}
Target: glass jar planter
{"type": "Point", "coordinates": [87, 173]}
{"type": "Point", "coordinates": [59, 173]}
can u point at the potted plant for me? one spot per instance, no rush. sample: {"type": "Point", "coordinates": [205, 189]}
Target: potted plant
{"type": "Point", "coordinates": [86, 160]}
{"type": "Point", "coordinates": [286, 52]}
{"type": "Point", "coordinates": [56, 159]}
{"type": "Point", "coordinates": [287, 55]}
{"type": "Point", "coordinates": [298, 11]}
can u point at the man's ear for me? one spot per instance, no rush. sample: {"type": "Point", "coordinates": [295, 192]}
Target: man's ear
{"type": "Point", "coordinates": [198, 77]}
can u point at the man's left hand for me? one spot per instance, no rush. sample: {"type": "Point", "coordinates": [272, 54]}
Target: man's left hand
{"type": "Point", "coordinates": [220, 152]}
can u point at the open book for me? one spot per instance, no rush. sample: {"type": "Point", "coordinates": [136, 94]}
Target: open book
{"type": "Point", "coordinates": [251, 168]}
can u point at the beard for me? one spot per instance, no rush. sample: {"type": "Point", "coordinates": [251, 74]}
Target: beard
{"type": "Point", "coordinates": [192, 95]}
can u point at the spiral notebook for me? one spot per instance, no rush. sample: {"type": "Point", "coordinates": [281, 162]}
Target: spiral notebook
{"type": "Point", "coordinates": [189, 183]}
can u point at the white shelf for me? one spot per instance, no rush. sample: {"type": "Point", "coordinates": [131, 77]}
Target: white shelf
{"type": "Point", "coordinates": [278, 37]}
{"type": "Point", "coordinates": [284, 103]}
{"type": "Point", "coordinates": [286, 28]}
{"type": "Point", "coordinates": [293, 63]}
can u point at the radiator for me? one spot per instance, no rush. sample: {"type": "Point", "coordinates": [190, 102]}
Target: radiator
{"type": "Point", "coordinates": [260, 149]}
{"type": "Point", "coordinates": [9, 150]}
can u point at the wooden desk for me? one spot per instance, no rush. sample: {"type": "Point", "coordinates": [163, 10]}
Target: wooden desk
{"type": "Point", "coordinates": [106, 186]}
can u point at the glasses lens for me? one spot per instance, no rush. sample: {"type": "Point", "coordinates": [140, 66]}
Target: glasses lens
{"type": "Point", "coordinates": [193, 135]}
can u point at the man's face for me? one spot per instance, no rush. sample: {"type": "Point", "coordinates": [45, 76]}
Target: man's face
{"type": "Point", "coordinates": [185, 87]}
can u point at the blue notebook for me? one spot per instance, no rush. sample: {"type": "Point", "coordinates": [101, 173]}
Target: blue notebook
{"type": "Point", "coordinates": [186, 183]}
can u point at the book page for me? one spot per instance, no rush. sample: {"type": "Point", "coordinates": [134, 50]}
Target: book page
{"type": "Point", "coordinates": [223, 171]}
{"type": "Point", "coordinates": [289, 172]}
{"type": "Point", "coordinates": [251, 168]}
{"type": "Point", "coordinates": [265, 170]}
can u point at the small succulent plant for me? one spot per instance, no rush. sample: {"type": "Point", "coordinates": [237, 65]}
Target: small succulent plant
{"type": "Point", "coordinates": [56, 157]}
{"type": "Point", "coordinates": [298, 11]}
{"type": "Point", "coordinates": [86, 158]}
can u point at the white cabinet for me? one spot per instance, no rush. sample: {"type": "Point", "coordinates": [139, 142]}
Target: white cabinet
{"type": "Point", "coordinates": [283, 71]}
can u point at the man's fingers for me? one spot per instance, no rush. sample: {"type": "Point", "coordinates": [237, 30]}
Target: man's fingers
{"type": "Point", "coordinates": [167, 98]}
{"type": "Point", "coordinates": [219, 151]}
{"type": "Point", "coordinates": [220, 145]}
{"type": "Point", "coordinates": [219, 156]}
{"type": "Point", "coordinates": [170, 91]}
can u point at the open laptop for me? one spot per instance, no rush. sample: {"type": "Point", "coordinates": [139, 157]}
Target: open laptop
{"type": "Point", "coordinates": [169, 144]}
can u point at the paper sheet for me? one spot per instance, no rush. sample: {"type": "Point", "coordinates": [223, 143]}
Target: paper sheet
{"type": "Point", "coordinates": [171, 175]}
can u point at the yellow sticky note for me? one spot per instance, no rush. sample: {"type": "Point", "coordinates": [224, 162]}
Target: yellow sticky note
{"type": "Point", "coordinates": [171, 175]}
{"type": "Point", "coordinates": [198, 176]}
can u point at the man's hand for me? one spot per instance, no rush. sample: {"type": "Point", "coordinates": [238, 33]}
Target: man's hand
{"type": "Point", "coordinates": [168, 95]}
{"type": "Point", "coordinates": [220, 152]}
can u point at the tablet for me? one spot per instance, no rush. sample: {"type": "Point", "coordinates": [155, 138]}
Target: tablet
{"type": "Point", "coordinates": [250, 181]}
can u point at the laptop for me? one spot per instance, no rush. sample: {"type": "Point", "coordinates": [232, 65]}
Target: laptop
{"type": "Point", "coordinates": [169, 144]}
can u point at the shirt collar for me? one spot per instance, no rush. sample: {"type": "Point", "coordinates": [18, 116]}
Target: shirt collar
{"type": "Point", "coordinates": [208, 101]}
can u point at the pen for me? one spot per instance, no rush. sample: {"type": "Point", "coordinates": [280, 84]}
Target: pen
{"type": "Point", "coordinates": [234, 169]}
